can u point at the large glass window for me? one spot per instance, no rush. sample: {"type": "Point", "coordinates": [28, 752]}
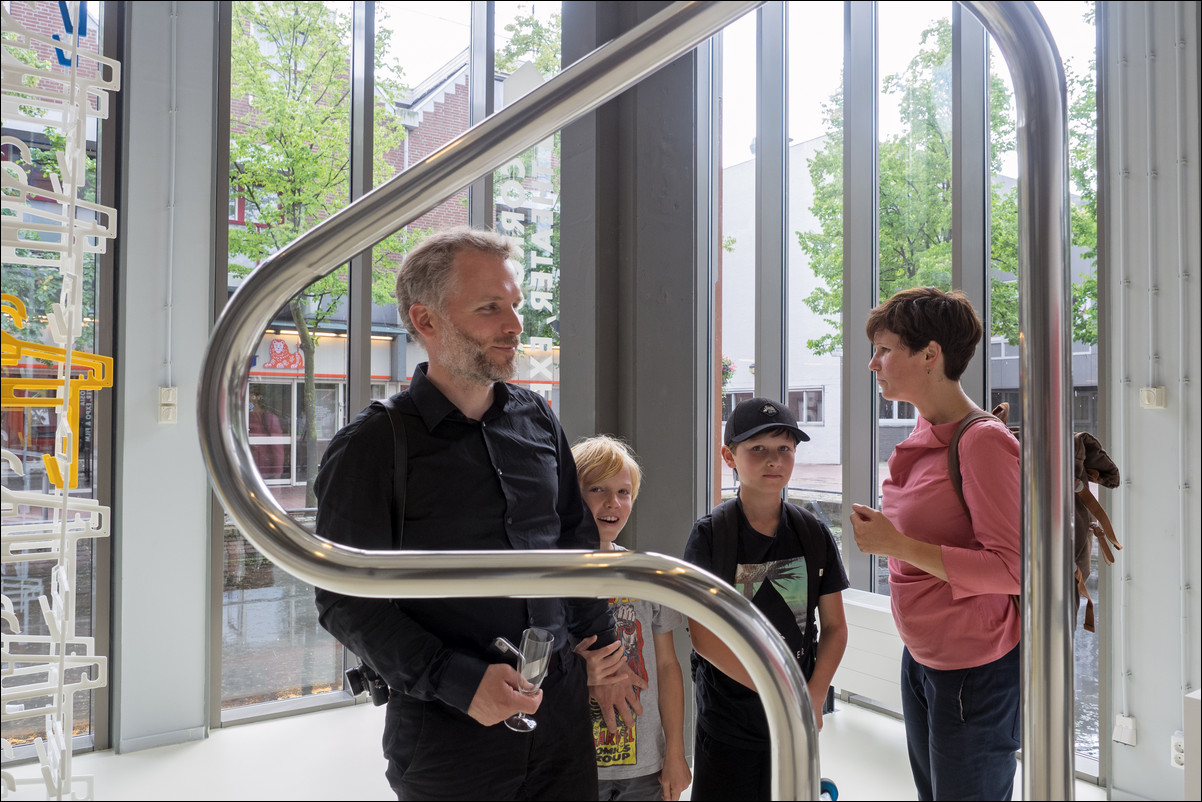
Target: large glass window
{"type": "Point", "coordinates": [735, 286]}
{"type": "Point", "coordinates": [916, 118]}
{"type": "Point", "coordinates": [290, 127]}
{"type": "Point", "coordinates": [814, 233]}
{"type": "Point", "coordinates": [292, 121]}
{"type": "Point", "coordinates": [50, 365]}
{"type": "Point", "coordinates": [915, 169]}
{"type": "Point", "coordinates": [526, 189]}
{"type": "Point", "coordinates": [428, 44]}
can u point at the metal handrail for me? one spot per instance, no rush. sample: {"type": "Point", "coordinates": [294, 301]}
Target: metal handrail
{"type": "Point", "coordinates": [600, 76]}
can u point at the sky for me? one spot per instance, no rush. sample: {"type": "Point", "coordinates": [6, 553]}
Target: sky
{"type": "Point", "coordinates": [433, 31]}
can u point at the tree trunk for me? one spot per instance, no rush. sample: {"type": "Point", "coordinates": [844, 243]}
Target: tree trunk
{"type": "Point", "coordinates": [307, 428]}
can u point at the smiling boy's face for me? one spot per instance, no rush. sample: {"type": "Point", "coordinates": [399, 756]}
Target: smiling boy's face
{"type": "Point", "coordinates": [764, 462]}
{"type": "Point", "coordinates": [610, 501]}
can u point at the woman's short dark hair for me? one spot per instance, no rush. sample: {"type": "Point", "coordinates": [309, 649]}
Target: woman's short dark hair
{"type": "Point", "coordinates": [922, 314]}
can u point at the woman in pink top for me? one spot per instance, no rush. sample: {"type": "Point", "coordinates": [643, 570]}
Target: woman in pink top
{"type": "Point", "coordinates": [951, 576]}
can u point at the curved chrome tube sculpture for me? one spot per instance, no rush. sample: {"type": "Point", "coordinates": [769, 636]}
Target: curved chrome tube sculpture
{"type": "Point", "coordinates": [1044, 353]}
{"type": "Point", "coordinates": [580, 88]}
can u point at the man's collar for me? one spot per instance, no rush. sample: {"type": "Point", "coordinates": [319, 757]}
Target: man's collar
{"type": "Point", "coordinates": [433, 406]}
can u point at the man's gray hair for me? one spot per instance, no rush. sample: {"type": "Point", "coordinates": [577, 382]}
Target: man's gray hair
{"type": "Point", "coordinates": [425, 276]}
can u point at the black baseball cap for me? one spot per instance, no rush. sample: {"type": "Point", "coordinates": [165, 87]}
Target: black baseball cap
{"type": "Point", "coordinates": [756, 415]}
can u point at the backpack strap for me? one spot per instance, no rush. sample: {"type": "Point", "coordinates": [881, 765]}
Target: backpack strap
{"type": "Point", "coordinates": [814, 549]}
{"type": "Point", "coordinates": [953, 454]}
{"type": "Point", "coordinates": [725, 555]}
{"type": "Point", "coordinates": [953, 468]}
{"type": "Point", "coordinates": [400, 465]}
{"type": "Point", "coordinates": [1103, 529]}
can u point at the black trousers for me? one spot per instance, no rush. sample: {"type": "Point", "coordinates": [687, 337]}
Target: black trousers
{"type": "Point", "coordinates": [725, 772]}
{"type": "Point", "coordinates": [963, 728]}
{"type": "Point", "coordinates": [439, 753]}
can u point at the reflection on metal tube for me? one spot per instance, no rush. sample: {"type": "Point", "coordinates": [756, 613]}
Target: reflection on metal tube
{"type": "Point", "coordinates": [1044, 346]}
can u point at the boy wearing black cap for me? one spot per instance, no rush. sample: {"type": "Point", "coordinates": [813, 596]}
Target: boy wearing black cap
{"type": "Point", "coordinates": [784, 560]}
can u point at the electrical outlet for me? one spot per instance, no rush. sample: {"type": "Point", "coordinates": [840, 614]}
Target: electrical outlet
{"type": "Point", "coordinates": [1177, 747]}
{"type": "Point", "coordinates": [168, 404]}
{"type": "Point", "coordinates": [1152, 397]}
{"type": "Point", "coordinates": [1125, 730]}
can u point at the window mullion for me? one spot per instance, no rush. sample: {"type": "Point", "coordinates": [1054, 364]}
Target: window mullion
{"type": "Point", "coordinates": [771, 176]}
{"type": "Point", "coordinates": [970, 183]}
{"type": "Point", "coordinates": [860, 264]}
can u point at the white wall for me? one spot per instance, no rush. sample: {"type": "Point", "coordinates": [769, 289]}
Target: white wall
{"type": "Point", "coordinates": [1150, 336]}
{"type": "Point", "coordinates": [161, 532]}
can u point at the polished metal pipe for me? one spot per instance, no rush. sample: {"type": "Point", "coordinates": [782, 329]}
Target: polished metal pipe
{"type": "Point", "coordinates": [593, 80]}
{"type": "Point", "coordinates": [1044, 353]}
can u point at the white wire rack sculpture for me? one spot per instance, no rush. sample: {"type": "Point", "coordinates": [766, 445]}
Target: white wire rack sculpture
{"type": "Point", "coordinates": [52, 87]}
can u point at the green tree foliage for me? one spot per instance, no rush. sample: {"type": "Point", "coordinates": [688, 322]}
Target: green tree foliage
{"type": "Point", "coordinates": [915, 214]}
{"type": "Point", "coordinates": [290, 155]}
{"type": "Point", "coordinates": [532, 40]}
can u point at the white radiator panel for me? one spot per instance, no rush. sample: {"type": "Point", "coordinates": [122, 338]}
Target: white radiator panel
{"type": "Point", "coordinates": [871, 666]}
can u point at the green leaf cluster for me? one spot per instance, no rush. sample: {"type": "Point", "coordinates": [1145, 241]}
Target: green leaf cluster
{"type": "Point", "coordinates": [915, 200]}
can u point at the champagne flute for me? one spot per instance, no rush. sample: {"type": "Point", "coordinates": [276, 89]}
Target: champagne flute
{"type": "Point", "coordinates": [536, 649]}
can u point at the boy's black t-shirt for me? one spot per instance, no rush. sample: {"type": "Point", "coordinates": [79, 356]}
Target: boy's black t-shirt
{"type": "Point", "coordinates": [774, 573]}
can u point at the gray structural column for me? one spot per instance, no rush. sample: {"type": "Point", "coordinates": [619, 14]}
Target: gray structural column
{"type": "Point", "coordinates": [161, 603]}
{"type": "Point", "coordinates": [635, 278]}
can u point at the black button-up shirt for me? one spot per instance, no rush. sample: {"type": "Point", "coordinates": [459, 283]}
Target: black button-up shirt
{"type": "Point", "coordinates": [507, 481]}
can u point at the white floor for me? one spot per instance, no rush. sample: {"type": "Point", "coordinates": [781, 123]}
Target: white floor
{"type": "Point", "coordinates": [335, 754]}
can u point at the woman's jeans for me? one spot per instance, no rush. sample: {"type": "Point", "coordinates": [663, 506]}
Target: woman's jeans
{"type": "Point", "coordinates": [962, 728]}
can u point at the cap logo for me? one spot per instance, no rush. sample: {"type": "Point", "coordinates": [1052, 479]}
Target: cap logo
{"type": "Point", "coordinates": [767, 409]}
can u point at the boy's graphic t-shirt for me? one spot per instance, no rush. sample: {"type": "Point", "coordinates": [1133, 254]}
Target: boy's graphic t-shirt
{"type": "Point", "coordinates": [636, 749]}
{"type": "Point", "coordinates": [785, 586]}
{"type": "Point", "coordinates": [773, 572]}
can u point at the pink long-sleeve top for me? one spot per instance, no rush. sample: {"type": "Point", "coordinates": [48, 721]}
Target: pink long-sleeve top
{"type": "Point", "coordinates": [969, 620]}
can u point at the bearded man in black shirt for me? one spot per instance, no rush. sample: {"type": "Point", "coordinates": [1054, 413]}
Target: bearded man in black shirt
{"type": "Point", "coordinates": [488, 468]}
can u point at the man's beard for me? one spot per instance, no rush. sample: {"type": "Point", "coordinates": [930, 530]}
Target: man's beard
{"type": "Point", "coordinates": [468, 358]}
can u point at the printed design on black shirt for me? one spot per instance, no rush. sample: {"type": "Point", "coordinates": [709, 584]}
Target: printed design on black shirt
{"type": "Point", "coordinates": [788, 578]}
{"type": "Point", "coordinates": [621, 749]}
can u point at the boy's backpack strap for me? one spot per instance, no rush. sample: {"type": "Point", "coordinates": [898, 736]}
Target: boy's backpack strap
{"type": "Point", "coordinates": [813, 546]}
{"type": "Point", "coordinates": [725, 556]}
{"type": "Point", "coordinates": [400, 464]}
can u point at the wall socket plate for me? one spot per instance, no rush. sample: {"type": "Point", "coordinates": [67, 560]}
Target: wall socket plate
{"type": "Point", "coordinates": [1177, 750]}
{"type": "Point", "coordinates": [1153, 397]}
{"type": "Point", "coordinates": [168, 405]}
{"type": "Point", "coordinates": [1125, 731]}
